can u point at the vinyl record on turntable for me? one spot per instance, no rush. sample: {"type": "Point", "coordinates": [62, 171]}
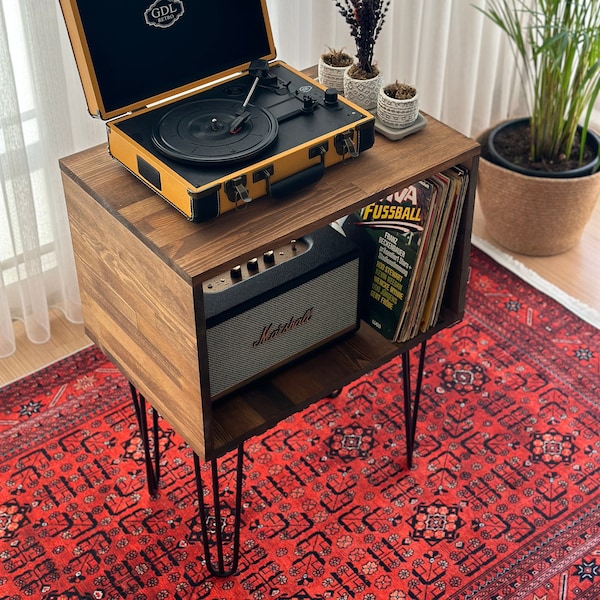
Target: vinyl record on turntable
{"type": "Point", "coordinates": [214, 131]}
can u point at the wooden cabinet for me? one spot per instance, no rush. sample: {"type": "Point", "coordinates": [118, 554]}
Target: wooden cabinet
{"type": "Point", "coordinates": [141, 266]}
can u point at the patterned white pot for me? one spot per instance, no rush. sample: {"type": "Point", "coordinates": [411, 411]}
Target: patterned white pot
{"type": "Point", "coordinates": [395, 113]}
{"type": "Point", "coordinates": [331, 77]}
{"type": "Point", "coordinates": [363, 92]}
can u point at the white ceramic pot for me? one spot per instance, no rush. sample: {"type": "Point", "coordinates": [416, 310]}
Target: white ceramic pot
{"type": "Point", "coordinates": [395, 113]}
{"type": "Point", "coordinates": [331, 77]}
{"type": "Point", "coordinates": [363, 92]}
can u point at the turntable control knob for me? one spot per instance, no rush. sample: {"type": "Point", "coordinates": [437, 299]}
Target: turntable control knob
{"type": "Point", "coordinates": [269, 257]}
{"type": "Point", "coordinates": [253, 265]}
{"type": "Point", "coordinates": [331, 97]}
{"type": "Point", "coordinates": [236, 272]}
{"type": "Point", "coordinates": [308, 104]}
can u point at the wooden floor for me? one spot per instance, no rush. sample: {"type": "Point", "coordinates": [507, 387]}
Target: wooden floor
{"type": "Point", "coordinates": [576, 273]}
{"type": "Point", "coordinates": [66, 339]}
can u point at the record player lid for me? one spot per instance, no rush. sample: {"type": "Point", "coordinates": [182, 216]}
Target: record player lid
{"type": "Point", "coordinates": [135, 52]}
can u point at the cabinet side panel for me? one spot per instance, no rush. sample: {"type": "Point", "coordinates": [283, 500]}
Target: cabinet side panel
{"type": "Point", "coordinates": [140, 312]}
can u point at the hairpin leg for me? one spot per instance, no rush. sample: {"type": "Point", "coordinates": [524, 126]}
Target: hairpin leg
{"type": "Point", "coordinates": [152, 463]}
{"type": "Point", "coordinates": [220, 528]}
{"type": "Point", "coordinates": [410, 415]}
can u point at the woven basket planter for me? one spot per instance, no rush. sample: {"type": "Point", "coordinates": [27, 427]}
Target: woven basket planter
{"type": "Point", "coordinates": [535, 215]}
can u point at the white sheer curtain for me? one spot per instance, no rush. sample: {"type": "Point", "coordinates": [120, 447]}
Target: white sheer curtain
{"type": "Point", "coordinates": [42, 118]}
{"type": "Point", "coordinates": [459, 61]}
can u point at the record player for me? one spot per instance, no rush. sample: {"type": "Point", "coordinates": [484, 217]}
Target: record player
{"type": "Point", "coordinates": [197, 107]}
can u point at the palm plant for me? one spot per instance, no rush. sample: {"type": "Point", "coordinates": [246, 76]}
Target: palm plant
{"type": "Point", "coordinates": [557, 48]}
{"type": "Point", "coordinates": [365, 18]}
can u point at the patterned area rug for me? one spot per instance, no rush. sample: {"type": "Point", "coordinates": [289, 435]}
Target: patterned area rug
{"type": "Point", "coordinates": [501, 503]}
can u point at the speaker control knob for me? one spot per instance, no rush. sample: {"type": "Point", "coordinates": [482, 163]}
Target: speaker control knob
{"type": "Point", "coordinates": [236, 272]}
{"type": "Point", "coordinates": [253, 265]}
{"type": "Point", "coordinates": [269, 257]}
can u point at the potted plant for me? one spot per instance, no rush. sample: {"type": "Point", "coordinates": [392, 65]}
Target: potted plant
{"type": "Point", "coordinates": [538, 180]}
{"type": "Point", "coordinates": [365, 19]}
{"type": "Point", "coordinates": [332, 66]}
{"type": "Point", "coordinates": [398, 105]}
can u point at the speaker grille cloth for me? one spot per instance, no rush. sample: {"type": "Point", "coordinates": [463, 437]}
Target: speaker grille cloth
{"type": "Point", "coordinates": [232, 356]}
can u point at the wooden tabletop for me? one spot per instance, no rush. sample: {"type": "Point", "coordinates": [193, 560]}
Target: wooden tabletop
{"type": "Point", "coordinates": [198, 251]}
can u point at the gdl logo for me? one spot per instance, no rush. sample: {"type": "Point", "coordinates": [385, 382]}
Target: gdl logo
{"type": "Point", "coordinates": [164, 13]}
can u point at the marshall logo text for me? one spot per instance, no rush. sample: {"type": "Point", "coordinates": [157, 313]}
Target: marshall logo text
{"type": "Point", "coordinates": [269, 332]}
{"type": "Point", "coordinates": [164, 13]}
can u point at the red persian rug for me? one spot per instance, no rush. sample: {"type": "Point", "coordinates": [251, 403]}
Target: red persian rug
{"type": "Point", "coordinates": [502, 502]}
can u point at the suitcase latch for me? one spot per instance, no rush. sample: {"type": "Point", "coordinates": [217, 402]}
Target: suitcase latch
{"type": "Point", "coordinates": [344, 144]}
{"type": "Point", "coordinates": [237, 191]}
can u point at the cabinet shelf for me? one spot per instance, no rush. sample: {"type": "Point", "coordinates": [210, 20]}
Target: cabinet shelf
{"type": "Point", "coordinates": [262, 404]}
{"type": "Point", "coordinates": [141, 266]}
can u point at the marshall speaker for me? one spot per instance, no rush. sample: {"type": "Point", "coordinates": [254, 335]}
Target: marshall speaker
{"type": "Point", "coordinates": [278, 307]}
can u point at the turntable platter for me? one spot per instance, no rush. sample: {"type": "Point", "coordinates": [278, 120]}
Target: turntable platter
{"type": "Point", "coordinates": [214, 131]}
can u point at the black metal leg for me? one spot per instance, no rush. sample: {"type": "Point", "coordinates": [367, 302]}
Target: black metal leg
{"type": "Point", "coordinates": [152, 463]}
{"type": "Point", "coordinates": [220, 529]}
{"type": "Point", "coordinates": [410, 413]}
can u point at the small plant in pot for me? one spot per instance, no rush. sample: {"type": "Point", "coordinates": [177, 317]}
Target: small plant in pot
{"type": "Point", "coordinates": [398, 105]}
{"type": "Point", "coordinates": [332, 66]}
{"type": "Point", "coordinates": [557, 50]}
{"type": "Point", "coordinates": [365, 19]}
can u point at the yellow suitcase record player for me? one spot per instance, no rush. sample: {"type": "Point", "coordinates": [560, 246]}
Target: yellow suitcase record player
{"type": "Point", "coordinates": [197, 107]}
